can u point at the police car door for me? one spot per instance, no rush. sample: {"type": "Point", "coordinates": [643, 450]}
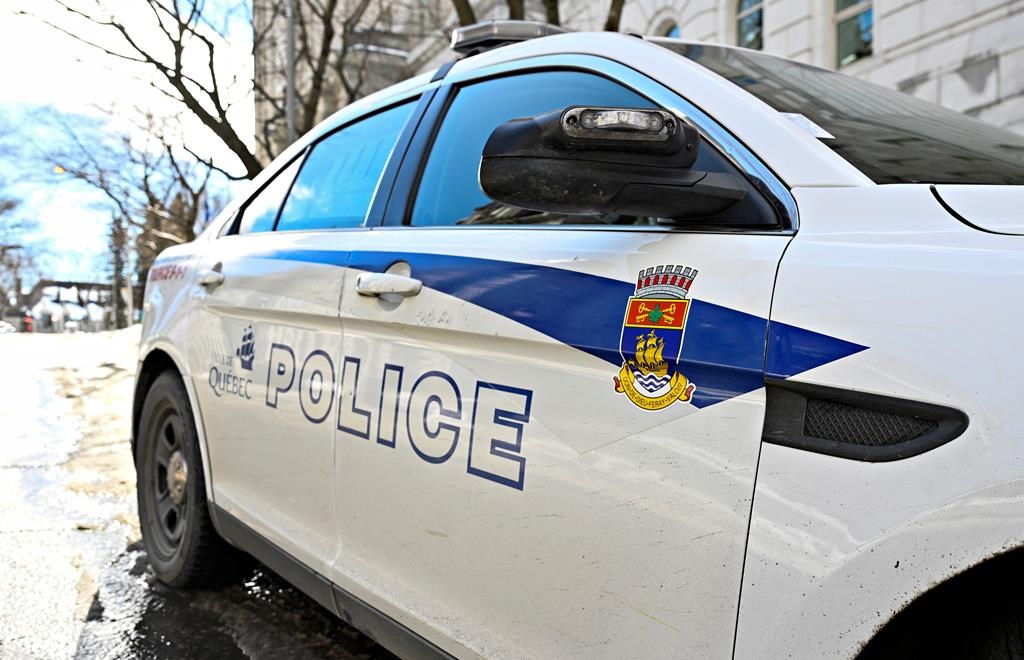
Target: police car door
{"type": "Point", "coordinates": [549, 425]}
{"type": "Point", "coordinates": [266, 338]}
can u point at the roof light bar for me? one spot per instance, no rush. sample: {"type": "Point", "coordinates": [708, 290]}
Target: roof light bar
{"type": "Point", "coordinates": [491, 34]}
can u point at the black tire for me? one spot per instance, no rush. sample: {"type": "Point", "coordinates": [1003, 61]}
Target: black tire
{"type": "Point", "coordinates": [184, 549]}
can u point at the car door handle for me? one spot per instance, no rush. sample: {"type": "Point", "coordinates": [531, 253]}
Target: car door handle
{"type": "Point", "coordinates": [209, 277]}
{"type": "Point", "coordinates": [377, 284]}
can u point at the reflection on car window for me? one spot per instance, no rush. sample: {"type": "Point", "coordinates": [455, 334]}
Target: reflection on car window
{"type": "Point", "coordinates": [889, 136]}
{"type": "Point", "coordinates": [449, 192]}
{"type": "Point", "coordinates": [261, 211]}
{"type": "Point", "coordinates": [336, 184]}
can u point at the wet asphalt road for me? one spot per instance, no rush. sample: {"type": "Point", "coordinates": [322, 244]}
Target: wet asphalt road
{"type": "Point", "coordinates": [134, 616]}
{"type": "Point", "coordinates": [74, 580]}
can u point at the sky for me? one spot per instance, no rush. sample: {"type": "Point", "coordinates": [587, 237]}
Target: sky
{"type": "Point", "coordinates": [46, 72]}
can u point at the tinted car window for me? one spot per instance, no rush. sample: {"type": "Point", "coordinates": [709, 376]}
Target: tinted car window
{"type": "Point", "coordinates": [335, 186]}
{"type": "Point", "coordinates": [449, 190]}
{"type": "Point", "coordinates": [260, 212]}
{"type": "Point", "coordinates": [889, 136]}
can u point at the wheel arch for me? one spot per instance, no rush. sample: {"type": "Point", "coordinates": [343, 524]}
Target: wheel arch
{"type": "Point", "coordinates": [157, 360]}
{"type": "Point", "coordinates": [966, 605]}
{"type": "Point", "coordinates": [154, 364]}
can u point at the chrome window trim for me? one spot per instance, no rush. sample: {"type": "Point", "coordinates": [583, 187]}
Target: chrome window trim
{"type": "Point", "coordinates": [728, 144]}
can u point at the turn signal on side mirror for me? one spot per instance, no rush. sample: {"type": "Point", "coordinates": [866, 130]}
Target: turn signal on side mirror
{"type": "Point", "coordinates": [619, 124]}
{"type": "Point", "coordinates": [586, 160]}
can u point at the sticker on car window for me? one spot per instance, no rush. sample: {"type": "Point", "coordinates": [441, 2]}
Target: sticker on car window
{"type": "Point", "coordinates": [805, 124]}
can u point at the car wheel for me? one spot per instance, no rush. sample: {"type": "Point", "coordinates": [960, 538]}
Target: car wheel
{"type": "Point", "coordinates": [183, 547]}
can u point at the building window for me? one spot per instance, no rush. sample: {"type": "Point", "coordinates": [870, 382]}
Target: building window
{"type": "Point", "coordinates": [671, 30]}
{"type": "Point", "coordinates": [749, 23]}
{"type": "Point", "coordinates": [854, 25]}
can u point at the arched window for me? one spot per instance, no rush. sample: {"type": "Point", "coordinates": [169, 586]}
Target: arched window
{"type": "Point", "coordinates": [671, 30]}
{"type": "Point", "coordinates": [854, 22]}
{"type": "Point", "coordinates": [749, 23]}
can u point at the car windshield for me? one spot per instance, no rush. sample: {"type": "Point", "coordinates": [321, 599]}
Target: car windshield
{"type": "Point", "coordinates": [889, 136]}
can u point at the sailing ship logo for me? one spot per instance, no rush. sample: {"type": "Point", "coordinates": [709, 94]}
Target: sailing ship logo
{"type": "Point", "coordinates": [247, 351]}
{"type": "Point", "coordinates": [652, 338]}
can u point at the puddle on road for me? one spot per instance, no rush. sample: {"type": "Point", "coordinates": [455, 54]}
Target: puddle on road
{"type": "Point", "coordinates": [135, 616]}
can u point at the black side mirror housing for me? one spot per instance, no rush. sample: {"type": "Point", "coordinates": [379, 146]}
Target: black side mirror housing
{"type": "Point", "coordinates": [587, 160]}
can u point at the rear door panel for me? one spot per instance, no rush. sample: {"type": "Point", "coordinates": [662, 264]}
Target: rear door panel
{"type": "Point", "coordinates": [263, 350]}
{"type": "Point", "coordinates": [267, 353]}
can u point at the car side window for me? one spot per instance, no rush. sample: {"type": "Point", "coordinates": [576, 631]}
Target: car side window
{"type": "Point", "coordinates": [335, 186]}
{"type": "Point", "coordinates": [449, 190]}
{"type": "Point", "coordinates": [261, 211]}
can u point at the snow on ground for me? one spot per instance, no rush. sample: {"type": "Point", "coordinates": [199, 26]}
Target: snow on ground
{"type": "Point", "coordinates": [74, 580]}
{"type": "Point", "coordinates": [67, 502]}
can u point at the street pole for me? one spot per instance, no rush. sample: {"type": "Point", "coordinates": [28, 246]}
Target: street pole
{"type": "Point", "coordinates": [290, 74]}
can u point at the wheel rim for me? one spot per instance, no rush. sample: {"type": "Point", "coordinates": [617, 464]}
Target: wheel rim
{"type": "Point", "coordinates": [169, 484]}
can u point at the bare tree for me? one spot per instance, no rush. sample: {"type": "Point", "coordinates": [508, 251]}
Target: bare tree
{"type": "Point", "coordinates": [19, 250]}
{"type": "Point", "coordinates": [185, 60]}
{"type": "Point", "coordinates": [18, 254]}
{"type": "Point", "coordinates": [516, 10]}
{"type": "Point", "coordinates": [159, 195]}
{"type": "Point", "coordinates": [119, 257]}
{"type": "Point", "coordinates": [341, 53]}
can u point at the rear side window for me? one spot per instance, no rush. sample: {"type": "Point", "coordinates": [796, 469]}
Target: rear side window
{"type": "Point", "coordinates": [261, 211]}
{"type": "Point", "coordinates": [336, 184]}
{"type": "Point", "coordinates": [889, 136]}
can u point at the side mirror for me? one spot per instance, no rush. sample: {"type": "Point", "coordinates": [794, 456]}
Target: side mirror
{"type": "Point", "coordinates": [587, 160]}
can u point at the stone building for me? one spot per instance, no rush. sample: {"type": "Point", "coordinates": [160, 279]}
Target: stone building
{"type": "Point", "coordinates": [967, 55]}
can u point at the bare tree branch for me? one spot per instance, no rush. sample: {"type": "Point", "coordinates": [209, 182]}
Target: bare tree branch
{"type": "Point", "coordinates": [320, 67]}
{"type": "Point", "coordinates": [551, 12]}
{"type": "Point", "coordinates": [179, 30]}
{"type": "Point", "coordinates": [516, 10]}
{"type": "Point", "coordinates": [465, 12]}
{"type": "Point", "coordinates": [614, 16]}
{"type": "Point", "coordinates": [213, 166]}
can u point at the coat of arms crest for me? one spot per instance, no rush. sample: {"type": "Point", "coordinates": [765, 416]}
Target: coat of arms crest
{"type": "Point", "coordinates": [652, 338]}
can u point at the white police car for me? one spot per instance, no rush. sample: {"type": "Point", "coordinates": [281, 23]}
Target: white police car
{"type": "Point", "coordinates": [741, 383]}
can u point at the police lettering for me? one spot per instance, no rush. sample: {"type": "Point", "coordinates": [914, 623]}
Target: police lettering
{"type": "Point", "coordinates": [427, 411]}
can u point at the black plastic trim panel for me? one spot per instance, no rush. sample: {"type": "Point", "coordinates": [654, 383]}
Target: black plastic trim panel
{"type": "Point", "coordinates": [383, 629]}
{"type": "Point", "coordinates": [385, 187]}
{"type": "Point", "coordinates": [405, 182]}
{"type": "Point", "coordinates": [786, 415]}
{"type": "Point", "coordinates": [443, 70]}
